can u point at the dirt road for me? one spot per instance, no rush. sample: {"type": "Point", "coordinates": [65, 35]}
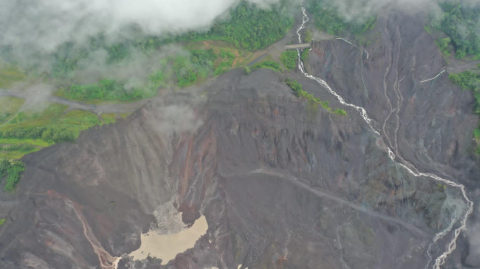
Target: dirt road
{"type": "Point", "coordinates": [31, 97]}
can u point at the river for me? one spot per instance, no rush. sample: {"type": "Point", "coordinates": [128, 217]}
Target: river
{"type": "Point", "coordinates": [451, 246]}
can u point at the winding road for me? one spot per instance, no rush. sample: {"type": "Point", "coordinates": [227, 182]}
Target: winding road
{"type": "Point", "coordinates": [33, 96]}
{"type": "Point", "coordinates": [462, 66]}
{"type": "Point", "coordinates": [322, 194]}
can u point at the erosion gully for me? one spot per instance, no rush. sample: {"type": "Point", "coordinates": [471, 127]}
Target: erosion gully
{"type": "Point", "coordinates": [451, 246]}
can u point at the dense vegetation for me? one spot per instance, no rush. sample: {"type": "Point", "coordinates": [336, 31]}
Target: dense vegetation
{"type": "Point", "coordinates": [251, 27]}
{"type": "Point", "coordinates": [201, 64]}
{"type": "Point", "coordinates": [299, 92]}
{"type": "Point", "coordinates": [289, 59]}
{"type": "Point", "coordinates": [272, 65]}
{"type": "Point", "coordinates": [248, 27]}
{"type": "Point", "coordinates": [187, 68]}
{"type": "Point", "coordinates": [467, 80]}
{"type": "Point", "coordinates": [12, 171]}
{"type": "Point", "coordinates": [9, 75]}
{"type": "Point", "coordinates": [444, 45]}
{"type": "Point", "coordinates": [304, 55]}
{"type": "Point", "coordinates": [460, 21]}
{"type": "Point", "coordinates": [22, 147]}
{"type": "Point", "coordinates": [31, 131]}
{"type": "Point", "coordinates": [326, 17]}
{"type": "Point", "coordinates": [470, 81]}
{"type": "Point", "coordinates": [105, 89]}
{"type": "Point", "coordinates": [4, 165]}
{"type": "Point", "coordinates": [52, 125]}
{"type": "Point", "coordinates": [9, 107]}
{"type": "Point", "coordinates": [308, 36]}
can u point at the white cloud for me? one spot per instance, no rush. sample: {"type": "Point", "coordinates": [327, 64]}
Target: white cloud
{"type": "Point", "coordinates": [48, 23]}
{"type": "Point", "coordinates": [360, 9]}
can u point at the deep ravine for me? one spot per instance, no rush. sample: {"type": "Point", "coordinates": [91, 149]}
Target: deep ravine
{"type": "Point", "coordinates": [451, 246]}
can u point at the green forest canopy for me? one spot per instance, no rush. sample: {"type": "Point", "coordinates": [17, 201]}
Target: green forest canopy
{"type": "Point", "coordinates": [272, 65]}
{"type": "Point", "coordinates": [187, 70]}
{"type": "Point", "coordinates": [249, 27]}
{"type": "Point", "coordinates": [460, 21]}
{"type": "Point", "coordinates": [327, 18]}
{"type": "Point", "coordinates": [470, 80]}
{"type": "Point", "coordinates": [12, 171]}
{"type": "Point", "coordinates": [289, 59]}
{"type": "Point", "coordinates": [298, 90]}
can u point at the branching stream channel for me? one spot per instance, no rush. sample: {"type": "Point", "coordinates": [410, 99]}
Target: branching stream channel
{"type": "Point", "coordinates": [440, 260]}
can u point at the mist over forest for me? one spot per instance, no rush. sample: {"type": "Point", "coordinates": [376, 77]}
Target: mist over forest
{"type": "Point", "coordinates": [127, 51]}
{"type": "Point", "coordinates": [269, 133]}
{"type": "Point", "coordinates": [77, 41]}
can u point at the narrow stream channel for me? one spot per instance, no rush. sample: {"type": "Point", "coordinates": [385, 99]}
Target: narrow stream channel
{"type": "Point", "coordinates": [451, 246]}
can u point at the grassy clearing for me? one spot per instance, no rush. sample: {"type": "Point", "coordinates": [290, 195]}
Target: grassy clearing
{"type": "Point", "coordinates": [268, 63]}
{"type": "Point", "coordinates": [299, 92]}
{"type": "Point", "coordinates": [205, 59]}
{"type": "Point", "coordinates": [247, 59]}
{"type": "Point", "coordinates": [9, 76]}
{"type": "Point", "coordinates": [2, 221]}
{"type": "Point", "coordinates": [33, 142]}
{"type": "Point", "coordinates": [106, 90]}
{"type": "Point", "coordinates": [8, 107]}
{"type": "Point", "coordinates": [42, 126]}
{"type": "Point", "coordinates": [124, 115]}
{"type": "Point", "coordinates": [241, 57]}
{"type": "Point", "coordinates": [31, 130]}
{"type": "Point", "coordinates": [10, 152]}
{"type": "Point", "coordinates": [248, 27]}
{"type": "Point", "coordinates": [14, 155]}
{"type": "Point", "coordinates": [175, 71]}
{"type": "Point", "coordinates": [109, 118]}
{"type": "Point", "coordinates": [200, 65]}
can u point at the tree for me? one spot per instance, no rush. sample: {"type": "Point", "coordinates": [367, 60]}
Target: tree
{"type": "Point", "coordinates": [289, 59]}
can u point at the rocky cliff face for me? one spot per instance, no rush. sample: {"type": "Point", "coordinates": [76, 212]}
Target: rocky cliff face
{"type": "Point", "coordinates": [283, 183]}
{"type": "Point", "coordinates": [428, 123]}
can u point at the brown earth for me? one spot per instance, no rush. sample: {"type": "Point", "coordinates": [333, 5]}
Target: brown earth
{"type": "Point", "coordinates": [282, 183]}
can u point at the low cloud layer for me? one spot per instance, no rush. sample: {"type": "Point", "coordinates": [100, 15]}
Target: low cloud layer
{"type": "Point", "coordinates": [44, 24]}
{"type": "Point", "coordinates": [353, 10]}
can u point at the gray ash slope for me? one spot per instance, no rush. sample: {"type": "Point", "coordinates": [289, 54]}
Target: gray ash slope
{"type": "Point", "coordinates": [282, 183]}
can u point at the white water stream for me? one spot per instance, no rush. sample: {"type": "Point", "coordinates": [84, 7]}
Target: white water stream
{"type": "Point", "coordinates": [349, 42]}
{"type": "Point", "coordinates": [451, 246]}
{"type": "Point", "coordinates": [441, 72]}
